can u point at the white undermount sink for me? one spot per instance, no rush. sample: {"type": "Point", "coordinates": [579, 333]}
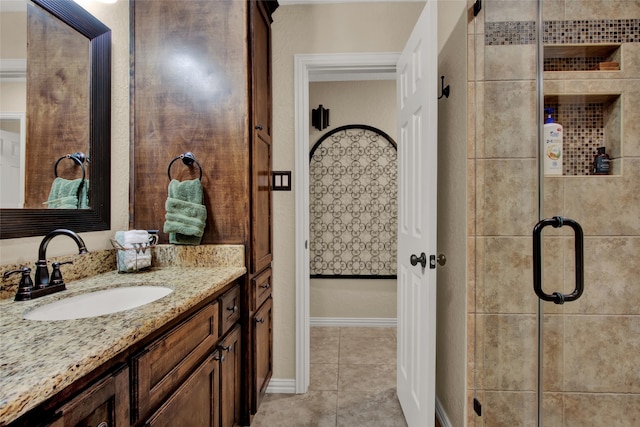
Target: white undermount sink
{"type": "Point", "coordinates": [98, 303]}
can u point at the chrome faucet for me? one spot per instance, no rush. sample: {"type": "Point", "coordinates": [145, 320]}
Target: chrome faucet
{"type": "Point", "coordinates": [43, 283]}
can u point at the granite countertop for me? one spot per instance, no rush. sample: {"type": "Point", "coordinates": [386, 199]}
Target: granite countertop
{"type": "Point", "coordinates": [40, 358]}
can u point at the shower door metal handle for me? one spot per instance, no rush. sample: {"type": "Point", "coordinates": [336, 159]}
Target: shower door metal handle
{"type": "Point", "coordinates": [558, 297]}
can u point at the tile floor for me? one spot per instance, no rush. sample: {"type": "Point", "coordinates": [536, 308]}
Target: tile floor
{"type": "Point", "coordinates": [353, 376]}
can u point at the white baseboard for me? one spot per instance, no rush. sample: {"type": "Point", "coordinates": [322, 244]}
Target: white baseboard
{"type": "Point", "coordinates": [284, 386]}
{"type": "Point", "coordinates": [353, 321]}
{"type": "Point", "coordinates": [442, 416]}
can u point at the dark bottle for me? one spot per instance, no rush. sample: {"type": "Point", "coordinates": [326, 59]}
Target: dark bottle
{"type": "Point", "coordinates": [601, 162]}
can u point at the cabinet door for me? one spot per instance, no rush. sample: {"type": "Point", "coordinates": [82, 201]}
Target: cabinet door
{"type": "Point", "coordinates": [261, 234]}
{"type": "Point", "coordinates": [105, 404]}
{"type": "Point", "coordinates": [196, 403]}
{"type": "Point", "coordinates": [261, 66]}
{"type": "Point", "coordinates": [164, 364]}
{"type": "Point", "coordinates": [263, 349]}
{"type": "Point", "coordinates": [230, 377]}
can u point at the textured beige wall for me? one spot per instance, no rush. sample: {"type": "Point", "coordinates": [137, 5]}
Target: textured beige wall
{"type": "Point", "coordinates": [116, 17]}
{"type": "Point", "coordinates": [451, 347]}
{"type": "Point", "coordinates": [302, 29]}
{"type": "Point", "coordinates": [371, 103]}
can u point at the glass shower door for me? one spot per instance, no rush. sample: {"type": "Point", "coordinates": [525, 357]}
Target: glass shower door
{"type": "Point", "coordinates": [503, 152]}
{"type": "Point", "coordinates": [590, 342]}
{"type": "Point", "coordinates": [574, 358]}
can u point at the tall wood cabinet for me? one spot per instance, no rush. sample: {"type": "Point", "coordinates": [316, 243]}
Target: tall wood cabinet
{"type": "Point", "coordinates": [201, 83]}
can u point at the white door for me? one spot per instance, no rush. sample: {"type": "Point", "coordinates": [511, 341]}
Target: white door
{"type": "Point", "coordinates": [417, 162]}
{"type": "Point", "coordinates": [11, 176]}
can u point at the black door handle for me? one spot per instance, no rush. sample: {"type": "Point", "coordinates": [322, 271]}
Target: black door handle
{"type": "Point", "coordinates": [558, 297]}
{"type": "Point", "coordinates": [422, 259]}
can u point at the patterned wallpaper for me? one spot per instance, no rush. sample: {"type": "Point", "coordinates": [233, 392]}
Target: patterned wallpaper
{"type": "Point", "coordinates": [353, 204]}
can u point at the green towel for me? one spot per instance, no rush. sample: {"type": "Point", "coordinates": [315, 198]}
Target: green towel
{"type": "Point", "coordinates": [68, 194]}
{"type": "Point", "coordinates": [186, 215]}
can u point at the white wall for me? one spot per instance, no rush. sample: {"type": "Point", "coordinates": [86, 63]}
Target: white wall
{"type": "Point", "coordinates": [303, 29]}
{"type": "Point", "coordinates": [116, 17]}
{"type": "Point", "coordinates": [451, 349]}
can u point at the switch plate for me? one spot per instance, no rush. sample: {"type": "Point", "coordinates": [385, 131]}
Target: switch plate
{"type": "Point", "coordinates": [281, 180]}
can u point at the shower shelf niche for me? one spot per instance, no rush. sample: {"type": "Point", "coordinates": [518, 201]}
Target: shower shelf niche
{"type": "Point", "coordinates": [589, 121]}
{"type": "Point", "coordinates": [581, 57]}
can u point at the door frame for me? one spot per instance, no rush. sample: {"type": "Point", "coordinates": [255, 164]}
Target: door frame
{"type": "Point", "coordinates": [313, 68]}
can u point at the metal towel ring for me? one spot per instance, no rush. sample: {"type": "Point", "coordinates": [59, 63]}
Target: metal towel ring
{"type": "Point", "coordinates": [78, 157]}
{"type": "Point", "coordinates": [188, 159]}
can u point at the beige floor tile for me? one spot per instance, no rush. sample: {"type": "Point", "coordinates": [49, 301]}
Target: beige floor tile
{"type": "Point", "coordinates": [324, 331]}
{"type": "Point", "coordinates": [354, 331]}
{"type": "Point", "coordinates": [361, 364]}
{"type": "Point", "coordinates": [366, 377]}
{"type": "Point", "coordinates": [312, 409]}
{"type": "Point", "coordinates": [323, 376]}
{"type": "Point", "coordinates": [324, 349]}
{"type": "Point", "coordinates": [370, 408]}
{"type": "Point", "coordinates": [368, 350]}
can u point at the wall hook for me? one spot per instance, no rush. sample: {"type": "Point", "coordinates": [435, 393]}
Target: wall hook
{"type": "Point", "coordinates": [445, 90]}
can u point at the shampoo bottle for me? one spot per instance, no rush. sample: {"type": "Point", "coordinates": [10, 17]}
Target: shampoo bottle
{"type": "Point", "coordinates": [601, 162]}
{"type": "Point", "coordinates": [552, 134]}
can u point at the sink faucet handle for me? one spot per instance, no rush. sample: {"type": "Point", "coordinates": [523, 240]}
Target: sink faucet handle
{"type": "Point", "coordinates": [26, 284]}
{"type": "Point", "coordinates": [56, 274]}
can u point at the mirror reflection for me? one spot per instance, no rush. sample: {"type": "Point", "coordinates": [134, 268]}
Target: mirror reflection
{"type": "Point", "coordinates": [45, 80]}
{"type": "Point", "coordinates": [62, 88]}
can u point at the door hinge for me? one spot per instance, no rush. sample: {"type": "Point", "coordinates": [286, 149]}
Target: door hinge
{"type": "Point", "coordinates": [477, 407]}
{"type": "Point", "coordinates": [477, 6]}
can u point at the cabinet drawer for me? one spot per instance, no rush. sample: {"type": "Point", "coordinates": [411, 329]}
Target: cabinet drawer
{"type": "Point", "coordinates": [166, 363]}
{"type": "Point", "coordinates": [261, 285]}
{"type": "Point", "coordinates": [229, 309]}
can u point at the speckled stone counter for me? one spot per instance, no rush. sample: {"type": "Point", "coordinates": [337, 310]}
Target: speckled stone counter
{"type": "Point", "coordinates": [38, 359]}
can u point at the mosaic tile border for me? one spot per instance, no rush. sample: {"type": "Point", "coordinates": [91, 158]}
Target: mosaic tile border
{"type": "Point", "coordinates": [564, 32]}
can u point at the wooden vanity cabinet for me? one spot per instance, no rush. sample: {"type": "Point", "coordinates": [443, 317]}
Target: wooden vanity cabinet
{"type": "Point", "coordinates": [196, 402]}
{"type": "Point", "coordinates": [201, 82]}
{"type": "Point", "coordinates": [164, 364]}
{"type": "Point", "coordinates": [210, 397]}
{"type": "Point", "coordinates": [105, 404]}
{"type": "Point", "coordinates": [261, 147]}
{"type": "Point", "coordinates": [186, 373]}
{"type": "Point", "coordinates": [190, 391]}
{"type": "Point", "coordinates": [263, 349]}
{"type": "Point", "coordinates": [259, 306]}
{"type": "Point", "coordinates": [230, 378]}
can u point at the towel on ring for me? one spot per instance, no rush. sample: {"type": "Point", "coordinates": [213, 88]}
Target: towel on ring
{"type": "Point", "coordinates": [135, 253]}
{"type": "Point", "coordinates": [186, 216]}
{"type": "Point", "coordinates": [68, 194]}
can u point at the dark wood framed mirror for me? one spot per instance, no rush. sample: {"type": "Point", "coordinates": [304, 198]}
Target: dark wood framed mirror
{"type": "Point", "coordinates": [16, 223]}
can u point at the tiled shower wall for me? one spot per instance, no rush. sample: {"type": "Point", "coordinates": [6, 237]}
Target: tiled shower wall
{"type": "Point", "coordinates": [591, 346]}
